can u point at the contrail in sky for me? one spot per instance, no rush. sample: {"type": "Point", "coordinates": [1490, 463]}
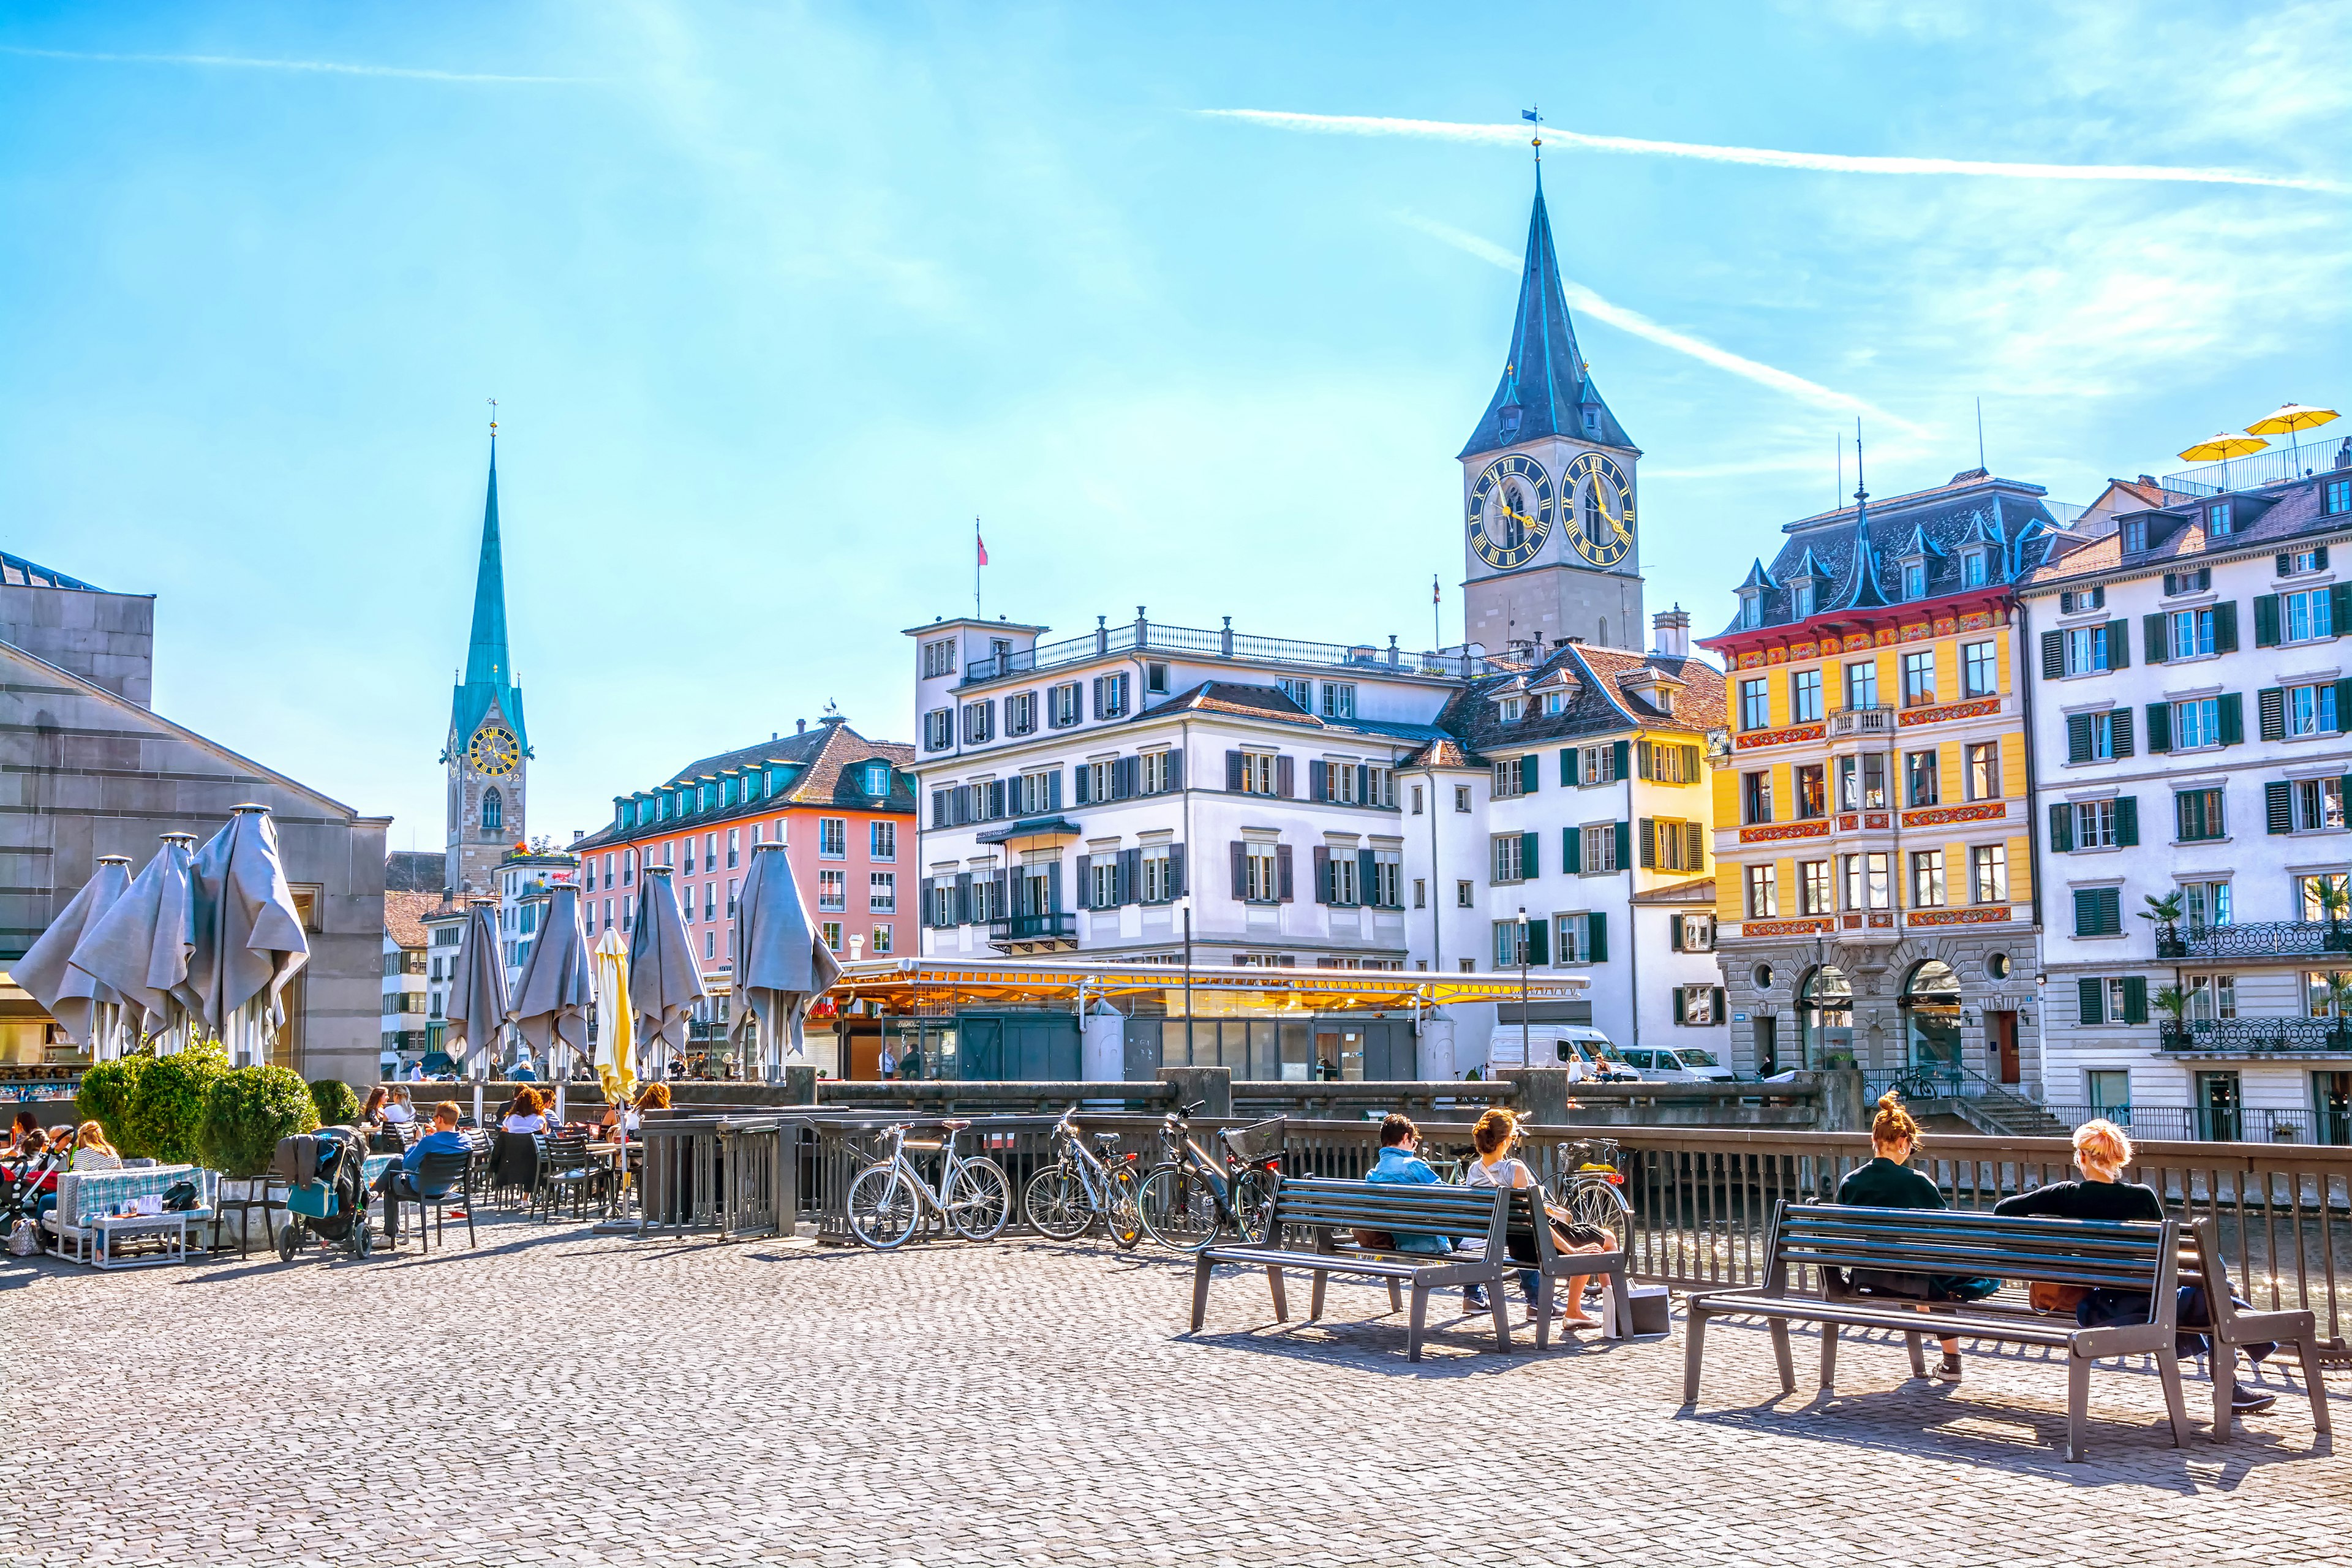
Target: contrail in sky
{"type": "Point", "coordinates": [1640, 326]}
{"type": "Point", "coordinates": [1838, 163]}
{"type": "Point", "coordinates": [325, 67]}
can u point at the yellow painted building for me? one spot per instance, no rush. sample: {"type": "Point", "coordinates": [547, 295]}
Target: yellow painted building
{"type": "Point", "coordinates": [1874, 839]}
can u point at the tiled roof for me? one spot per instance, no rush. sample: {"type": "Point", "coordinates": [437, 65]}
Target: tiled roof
{"type": "Point", "coordinates": [2283, 511]}
{"type": "Point", "coordinates": [1268, 703]}
{"type": "Point", "coordinates": [1698, 890]}
{"type": "Point", "coordinates": [403, 916]}
{"type": "Point", "coordinates": [1601, 703]}
{"type": "Point", "coordinates": [1935, 522]}
{"type": "Point", "coordinates": [826, 757]}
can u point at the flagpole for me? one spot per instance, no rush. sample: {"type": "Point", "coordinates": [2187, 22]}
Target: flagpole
{"type": "Point", "coordinates": [975, 568]}
{"type": "Point", "coordinates": [1436, 629]}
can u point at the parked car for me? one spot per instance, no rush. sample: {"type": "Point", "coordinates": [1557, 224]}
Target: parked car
{"type": "Point", "coordinates": [1678, 1064]}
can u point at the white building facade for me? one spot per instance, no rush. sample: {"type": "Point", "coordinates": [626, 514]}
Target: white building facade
{"type": "Point", "coordinates": [2192, 720]}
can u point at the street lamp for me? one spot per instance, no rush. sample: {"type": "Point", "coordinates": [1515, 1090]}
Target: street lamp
{"type": "Point", "coordinates": [1525, 1060]}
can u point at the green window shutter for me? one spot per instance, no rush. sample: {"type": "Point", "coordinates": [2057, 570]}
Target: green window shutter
{"type": "Point", "coordinates": [1571, 850]}
{"type": "Point", "coordinates": [1693, 849]}
{"type": "Point", "coordinates": [2135, 999]}
{"type": "Point", "coordinates": [2339, 607]}
{"type": "Point", "coordinates": [1529, 775]}
{"type": "Point", "coordinates": [1596, 937]}
{"type": "Point", "coordinates": [1649, 833]}
{"type": "Point", "coordinates": [2087, 992]}
{"type": "Point", "coordinates": [2126, 820]}
{"type": "Point", "coordinates": [2111, 911]}
{"type": "Point", "coordinates": [2159, 727]}
{"type": "Point", "coordinates": [1624, 845]}
{"type": "Point", "coordinates": [1618, 758]}
{"type": "Point", "coordinates": [2078, 737]}
{"type": "Point", "coordinates": [2269, 712]}
{"type": "Point", "coordinates": [1674, 934]}
{"type": "Point", "coordinates": [2152, 638]}
{"type": "Point", "coordinates": [2061, 827]}
{"type": "Point", "coordinates": [1690, 764]}
{"type": "Point", "coordinates": [2181, 823]}
{"type": "Point", "coordinates": [1530, 853]}
{"type": "Point", "coordinates": [1720, 1016]}
{"type": "Point", "coordinates": [1679, 1004]}
{"type": "Point", "coordinates": [2278, 806]}
{"type": "Point", "coordinates": [2266, 621]}
{"type": "Point", "coordinates": [2344, 702]}
{"type": "Point", "coordinates": [2225, 626]}
{"type": "Point", "coordinates": [2231, 708]}
{"type": "Point", "coordinates": [2097, 912]}
{"type": "Point", "coordinates": [1567, 766]}
{"type": "Point", "coordinates": [2118, 645]}
{"type": "Point", "coordinates": [2054, 656]}
{"type": "Point", "coordinates": [2282, 564]}
{"type": "Point", "coordinates": [1539, 939]}
{"type": "Point", "coordinates": [2119, 725]}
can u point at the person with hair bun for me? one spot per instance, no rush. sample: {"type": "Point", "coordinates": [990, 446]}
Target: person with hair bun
{"type": "Point", "coordinates": [2102, 1152]}
{"type": "Point", "coordinates": [1888, 1182]}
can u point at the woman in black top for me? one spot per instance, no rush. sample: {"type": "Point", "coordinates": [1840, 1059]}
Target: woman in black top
{"type": "Point", "coordinates": [1888, 1182]}
{"type": "Point", "coordinates": [2102, 1153]}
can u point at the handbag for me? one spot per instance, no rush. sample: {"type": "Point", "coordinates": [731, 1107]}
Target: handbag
{"type": "Point", "coordinates": [2046, 1296]}
{"type": "Point", "coordinates": [25, 1239]}
{"type": "Point", "coordinates": [1568, 1232]}
{"type": "Point", "coordinates": [179, 1197]}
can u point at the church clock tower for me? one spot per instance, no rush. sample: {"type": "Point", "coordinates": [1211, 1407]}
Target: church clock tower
{"type": "Point", "coordinates": [487, 751]}
{"type": "Point", "coordinates": [1548, 483]}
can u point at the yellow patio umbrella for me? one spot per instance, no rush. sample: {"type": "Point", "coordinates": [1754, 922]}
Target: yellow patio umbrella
{"type": "Point", "coordinates": [2222, 447]}
{"type": "Point", "coordinates": [616, 1046]}
{"type": "Point", "coordinates": [2290, 421]}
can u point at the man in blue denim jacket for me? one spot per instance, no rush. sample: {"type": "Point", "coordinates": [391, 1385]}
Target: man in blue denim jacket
{"type": "Point", "coordinates": [1399, 1162]}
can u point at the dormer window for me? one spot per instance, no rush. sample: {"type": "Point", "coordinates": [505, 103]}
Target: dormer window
{"type": "Point", "coordinates": [1512, 708]}
{"type": "Point", "coordinates": [1975, 566]}
{"type": "Point", "coordinates": [878, 778]}
{"type": "Point", "coordinates": [1592, 420]}
{"type": "Point", "coordinates": [1555, 702]}
{"type": "Point", "coordinates": [2135, 536]}
{"type": "Point", "coordinates": [1752, 610]}
{"type": "Point", "coordinates": [2217, 520]}
{"type": "Point", "coordinates": [1509, 423]}
{"type": "Point", "coordinates": [1802, 604]}
{"type": "Point", "coordinates": [1915, 580]}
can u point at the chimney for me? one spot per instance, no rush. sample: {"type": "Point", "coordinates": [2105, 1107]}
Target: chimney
{"type": "Point", "coordinates": [800, 726]}
{"type": "Point", "coordinates": [1672, 628]}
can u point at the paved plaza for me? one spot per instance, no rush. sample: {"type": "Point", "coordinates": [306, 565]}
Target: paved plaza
{"type": "Point", "coordinates": [559, 1397]}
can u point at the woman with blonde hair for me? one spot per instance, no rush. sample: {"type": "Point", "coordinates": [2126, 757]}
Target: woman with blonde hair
{"type": "Point", "coordinates": [1495, 1134]}
{"type": "Point", "coordinates": [92, 1151]}
{"type": "Point", "coordinates": [1888, 1182]}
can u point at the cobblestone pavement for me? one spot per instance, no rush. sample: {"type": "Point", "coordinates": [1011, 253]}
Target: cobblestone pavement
{"type": "Point", "coordinates": [557, 1397]}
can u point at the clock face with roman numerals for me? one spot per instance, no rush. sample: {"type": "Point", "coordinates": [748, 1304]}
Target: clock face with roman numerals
{"type": "Point", "coordinates": [493, 751]}
{"type": "Point", "coordinates": [1599, 503]}
{"type": "Point", "coordinates": [1511, 510]}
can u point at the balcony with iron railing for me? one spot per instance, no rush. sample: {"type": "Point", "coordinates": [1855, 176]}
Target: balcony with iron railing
{"type": "Point", "coordinates": [2275, 466]}
{"type": "Point", "coordinates": [2255, 1035]}
{"type": "Point", "coordinates": [1141, 636]}
{"type": "Point", "coordinates": [2212, 1125]}
{"type": "Point", "coordinates": [2256, 939]}
{"type": "Point", "coordinates": [1877, 718]}
{"type": "Point", "coordinates": [1060, 927]}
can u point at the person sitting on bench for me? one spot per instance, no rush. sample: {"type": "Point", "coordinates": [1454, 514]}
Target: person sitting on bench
{"type": "Point", "coordinates": [1400, 1161]}
{"type": "Point", "coordinates": [1496, 1133]}
{"type": "Point", "coordinates": [399, 1178]}
{"type": "Point", "coordinates": [1888, 1182]}
{"type": "Point", "coordinates": [2103, 1150]}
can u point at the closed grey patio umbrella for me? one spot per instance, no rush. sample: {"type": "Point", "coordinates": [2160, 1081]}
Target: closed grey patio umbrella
{"type": "Point", "coordinates": [88, 1008]}
{"type": "Point", "coordinates": [551, 1000]}
{"type": "Point", "coordinates": [665, 981]}
{"type": "Point", "coordinates": [249, 940]}
{"type": "Point", "coordinates": [477, 997]}
{"type": "Point", "coordinates": [781, 963]}
{"type": "Point", "coordinates": [142, 944]}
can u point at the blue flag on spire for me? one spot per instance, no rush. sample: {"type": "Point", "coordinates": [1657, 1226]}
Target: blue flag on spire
{"type": "Point", "coordinates": [1529, 115]}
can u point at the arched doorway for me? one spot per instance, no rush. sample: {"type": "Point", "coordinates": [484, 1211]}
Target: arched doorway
{"type": "Point", "coordinates": [1825, 1016]}
{"type": "Point", "coordinates": [1931, 1016]}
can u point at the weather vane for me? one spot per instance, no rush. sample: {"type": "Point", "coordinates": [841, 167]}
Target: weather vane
{"type": "Point", "coordinates": [1535, 118]}
{"type": "Point", "coordinates": [494, 415]}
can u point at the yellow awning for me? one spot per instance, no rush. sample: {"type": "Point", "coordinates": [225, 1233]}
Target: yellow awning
{"type": "Point", "coordinates": [909, 984]}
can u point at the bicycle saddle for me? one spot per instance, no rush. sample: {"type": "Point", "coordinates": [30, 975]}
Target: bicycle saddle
{"type": "Point", "coordinates": [955, 1126]}
{"type": "Point", "coordinates": [1105, 1137]}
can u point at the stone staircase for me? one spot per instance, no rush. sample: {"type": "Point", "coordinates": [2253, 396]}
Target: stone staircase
{"type": "Point", "coordinates": [2002, 1114]}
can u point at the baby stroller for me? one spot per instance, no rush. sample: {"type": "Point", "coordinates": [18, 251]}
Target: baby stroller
{"type": "Point", "coordinates": [19, 1193]}
{"type": "Point", "coordinates": [325, 1197]}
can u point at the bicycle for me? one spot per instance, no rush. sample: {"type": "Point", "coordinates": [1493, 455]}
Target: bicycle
{"type": "Point", "coordinates": [1594, 1192]}
{"type": "Point", "coordinates": [887, 1198]}
{"type": "Point", "coordinates": [1188, 1197]}
{"type": "Point", "coordinates": [1063, 1201]}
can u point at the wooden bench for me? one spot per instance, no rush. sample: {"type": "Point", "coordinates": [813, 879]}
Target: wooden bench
{"type": "Point", "coordinates": [2139, 1257]}
{"type": "Point", "coordinates": [2203, 1263]}
{"type": "Point", "coordinates": [1323, 1208]}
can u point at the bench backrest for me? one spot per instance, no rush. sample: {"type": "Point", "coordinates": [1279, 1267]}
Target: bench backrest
{"type": "Point", "coordinates": [1398, 1207]}
{"type": "Point", "coordinates": [2139, 1257]}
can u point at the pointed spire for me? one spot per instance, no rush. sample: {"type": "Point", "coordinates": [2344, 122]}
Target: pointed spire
{"type": "Point", "coordinates": [486, 651]}
{"type": "Point", "coordinates": [1863, 593]}
{"type": "Point", "coordinates": [1543, 372]}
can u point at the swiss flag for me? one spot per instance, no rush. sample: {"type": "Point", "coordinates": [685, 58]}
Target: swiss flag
{"type": "Point", "coordinates": [982, 543]}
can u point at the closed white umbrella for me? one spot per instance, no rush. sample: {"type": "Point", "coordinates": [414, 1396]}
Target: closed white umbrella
{"type": "Point", "coordinates": [141, 946]}
{"type": "Point", "coordinates": [781, 963]}
{"type": "Point", "coordinates": [665, 981]}
{"type": "Point", "coordinates": [249, 940]}
{"type": "Point", "coordinates": [550, 999]}
{"type": "Point", "coordinates": [89, 1009]}
{"type": "Point", "coordinates": [477, 997]}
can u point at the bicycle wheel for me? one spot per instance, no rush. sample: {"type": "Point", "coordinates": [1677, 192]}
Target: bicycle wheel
{"type": "Point", "coordinates": [1597, 1203]}
{"type": "Point", "coordinates": [1252, 1204]}
{"type": "Point", "coordinates": [1125, 1227]}
{"type": "Point", "coordinates": [979, 1200]}
{"type": "Point", "coordinates": [1177, 1208]}
{"type": "Point", "coordinates": [1057, 1206]}
{"type": "Point", "coordinates": [883, 1207]}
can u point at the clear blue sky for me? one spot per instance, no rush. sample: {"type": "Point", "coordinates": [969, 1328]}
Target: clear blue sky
{"type": "Point", "coordinates": [774, 300]}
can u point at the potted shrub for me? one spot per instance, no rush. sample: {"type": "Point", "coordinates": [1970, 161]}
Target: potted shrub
{"type": "Point", "coordinates": [2165, 914]}
{"type": "Point", "coordinates": [2173, 1001]}
{"type": "Point", "coordinates": [337, 1104]}
{"type": "Point", "coordinates": [167, 1109]}
{"type": "Point", "coordinates": [247, 1110]}
{"type": "Point", "coordinates": [2334, 898]}
{"type": "Point", "coordinates": [105, 1096]}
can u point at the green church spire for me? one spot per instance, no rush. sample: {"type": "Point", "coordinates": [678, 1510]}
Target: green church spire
{"type": "Point", "coordinates": [490, 669]}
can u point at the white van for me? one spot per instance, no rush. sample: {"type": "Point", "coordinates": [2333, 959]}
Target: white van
{"type": "Point", "coordinates": [1555, 1045]}
{"type": "Point", "coordinates": [1678, 1064]}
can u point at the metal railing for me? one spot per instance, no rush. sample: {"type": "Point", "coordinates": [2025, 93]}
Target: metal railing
{"type": "Point", "coordinates": [2256, 939]}
{"type": "Point", "coordinates": [2278, 464]}
{"type": "Point", "coordinates": [1876, 719]}
{"type": "Point", "coordinates": [739, 1177]}
{"type": "Point", "coordinates": [2185, 1123]}
{"type": "Point", "coordinates": [1144, 636]}
{"type": "Point", "coordinates": [1034, 928]}
{"type": "Point", "coordinates": [2255, 1035]}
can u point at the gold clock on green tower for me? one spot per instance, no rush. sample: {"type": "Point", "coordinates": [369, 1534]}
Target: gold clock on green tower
{"type": "Point", "coordinates": [493, 751]}
{"type": "Point", "coordinates": [1599, 500]}
{"type": "Point", "coordinates": [1511, 508]}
